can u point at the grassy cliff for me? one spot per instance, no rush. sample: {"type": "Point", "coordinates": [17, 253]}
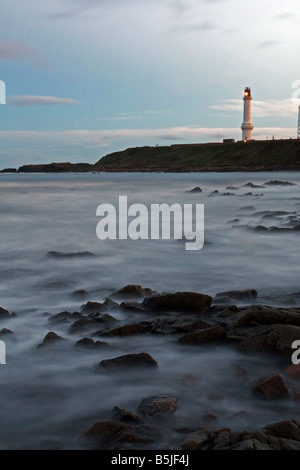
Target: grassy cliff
{"type": "Point", "coordinates": [239, 156]}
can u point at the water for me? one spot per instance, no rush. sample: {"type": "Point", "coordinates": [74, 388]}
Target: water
{"type": "Point", "coordinates": [51, 398]}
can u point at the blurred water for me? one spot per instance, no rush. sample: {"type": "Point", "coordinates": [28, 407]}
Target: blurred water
{"type": "Point", "coordinates": [57, 397]}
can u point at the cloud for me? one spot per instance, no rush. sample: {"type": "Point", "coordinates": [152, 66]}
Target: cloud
{"type": "Point", "coordinates": [283, 108]}
{"type": "Point", "coordinates": [32, 100]}
{"type": "Point", "coordinates": [16, 50]}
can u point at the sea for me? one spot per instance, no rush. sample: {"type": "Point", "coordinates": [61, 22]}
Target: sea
{"type": "Point", "coordinates": [50, 398]}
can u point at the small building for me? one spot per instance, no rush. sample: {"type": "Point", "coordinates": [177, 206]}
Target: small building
{"type": "Point", "coordinates": [228, 141]}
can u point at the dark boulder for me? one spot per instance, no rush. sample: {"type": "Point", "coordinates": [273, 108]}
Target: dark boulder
{"type": "Point", "coordinates": [207, 335]}
{"type": "Point", "coordinates": [133, 291]}
{"type": "Point", "coordinates": [50, 339]}
{"type": "Point", "coordinates": [157, 406]}
{"type": "Point", "coordinates": [89, 343]}
{"type": "Point", "coordinates": [129, 361]}
{"type": "Point", "coordinates": [125, 416]}
{"type": "Point", "coordinates": [239, 294]}
{"type": "Point", "coordinates": [180, 301]}
{"type": "Point", "coordinates": [271, 388]}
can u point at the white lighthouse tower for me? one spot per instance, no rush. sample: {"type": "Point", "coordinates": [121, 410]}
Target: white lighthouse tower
{"type": "Point", "coordinates": [247, 126]}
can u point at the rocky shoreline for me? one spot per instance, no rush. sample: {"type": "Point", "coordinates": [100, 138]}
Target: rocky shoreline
{"type": "Point", "coordinates": [233, 319]}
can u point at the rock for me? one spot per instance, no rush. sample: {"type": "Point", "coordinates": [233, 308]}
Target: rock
{"type": "Point", "coordinates": [157, 406]}
{"type": "Point", "coordinates": [222, 300]}
{"type": "Point", "coordinates": [60, 254]}
{"type": "Point", "coordinates": [126, 330]}
{"type": "Point", "coordinates": [239, 294]}
{"type": "Point", "coordinates": [279, 340]}
{"type": "Point", "coordinates": [289, 429]}
{"type": "Point", "coordinates": [64, 317]}
{"type": "Point", "coordinates": [125, 416]}
{"type": "Point", "coordinates": [206, 335]}
{"type": "Point", "coordinates": [92, 307]}
{"type": "Point", "coordinates": [180, 301]}
{"type": "Point", "coordinates": [129, 360]}
{"type": "Point", "coordinates": [133, 291]}
{"type": "Point", "coordinates": [260, 228]}
{"type": "Point", "coordinates": [195, 190]}
{"type": "Point", "coordinates": [89, 343]}
{"type": "Point", "coordinates": [231, 188]}
{"type": "Point", "coordinates": [86, 323]}
{"type": "Point", "coordinates": [279, 183]}
{"type": "Point", "coordinates": [251, 185]}
{"type": "Point", "coordinates": [5, 332]}
{"type": "Point", "coordinates": [4, 314]}
{"type": "Point", "coordinates": [293, 370]}
{"type": "Point", "coordinates": [110, 304]}
{"type": "Point", "coordinates": [272, 388]}
{"type": "Point", "coordinates": [51, 338]}
{"type": "Point", "coordinates": [233, 221]}
{"type": "Point", "coordinates": [251, 444]}
{"type": "Point", "coordinates": [80, 294]}
{"type": "Point", "coordinates": [132, 306]}
{"type": "Point", "coordinates": [194, 441]}
{"type": "Point", "coordinates": [214, 192]}
{"type": "Point", "coordinates": [263, 315]}
{"type": "Point", "coordinates": [112, 433]}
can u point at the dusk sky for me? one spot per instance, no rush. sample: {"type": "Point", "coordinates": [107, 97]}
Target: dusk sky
{"type": "Point", "coordinates": [85, 78]}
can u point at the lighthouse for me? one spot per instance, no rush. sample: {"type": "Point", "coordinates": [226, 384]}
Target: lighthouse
{"type": "Point", "coordinates": [247, 126]}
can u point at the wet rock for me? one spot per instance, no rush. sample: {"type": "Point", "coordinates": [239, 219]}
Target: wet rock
{"type": "Point", "coordinates": [114, 433]}
{"type": "Point", "coordinates": [194, 441]}
{"type": "Point", "coordinates": [222, 300]}
{"type": "Point", "coordinates": [157, 406]}
{"type": "Point", "coordinates": [92, 307]}
{"type": "Point", "coordinates": [87, 323]}
{"type": "Point", "coordinates": [133, 291]}
{"type": "Point", "coordinates": [264, 315]}
{"type": "Point", "coordinates": [280, 183]}
{"type": "Point", "coordinates": [64, 317]}
{"type": "Point", "coordinates": [61, 254]}
{"type": "Point", "coordinates": [289, 429]}
{"type": "Point", "coordinates": [111, 304]}
{"type": "Point", "coordinates": [239, 294]}
{"type": "Point", "coordinates": [50, 339]}
{"type": "Point", "coordinates": [260, 228]}
{"type": "Point", "coordinates": [126, 330]}
{"type": "Point", "coordinates": [5, 332]}
{"type": "Point", "coordinates": [231, 188]}
{"type": "Point", "coordinates": [170, 325]}
{"type": "Point", "coordinates": [125, 416]}
{"type": "Point", "coordinates": [214, 192]}
{"type": "Point", "coordinates": [80, 294]}
{"type": "Point", "coordinates": [251, 185]}
{"type": "Point", "coordinates": [228, 194]}
{"type": "Point", "coordinates": [206, 335]}
{"type": "Point", "coordinates": [233, 221]}
{"type": "Point", "coordinates": [293, 370]}
{"type": "Point", "coordinates": [132, 306]}
{"type": "Point", "coordinates": [129, 360]}
{"type": "Point", "coordinates": [195, 190]}
{"type": "Point", "coordinates": [4, 314]}
{"type": "Point", "coordinates": [251, 444]}
{"type": "Point", "coordinates": [89, 343]}
{"type": "Point", "coordinates": [278, 340]}
{"type": "Point", "coordinates": [180, 301]}
{"type": "Point", "coordinates": [272, 388]}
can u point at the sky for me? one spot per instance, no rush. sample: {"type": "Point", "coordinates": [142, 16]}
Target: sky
{"type": "Point", "coordinates": [85, 78]}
